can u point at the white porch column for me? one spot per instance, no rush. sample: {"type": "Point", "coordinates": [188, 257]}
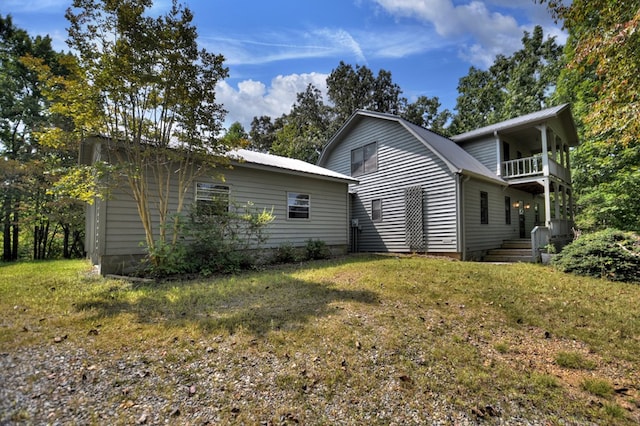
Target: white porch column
{"type": "Point", "coordinates": [545, 152]}
{"type": "Point", "coordinates": [547, 202]}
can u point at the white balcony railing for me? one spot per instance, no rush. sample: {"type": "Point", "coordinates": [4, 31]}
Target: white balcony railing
{"type": "Point", "coordinates": [520, 167]}
{"type": "Point", "coordinates": [532, 166]}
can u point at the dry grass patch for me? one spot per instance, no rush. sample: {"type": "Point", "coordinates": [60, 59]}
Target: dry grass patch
{"type": "Point", "coordinates": [364, 339]}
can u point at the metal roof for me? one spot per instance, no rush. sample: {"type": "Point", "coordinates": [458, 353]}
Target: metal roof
{"type": "Point", "coordinates": [562, 112]}
{"type": "Point", "coordinates": [285, 165]}
{"type": "Point", "coordinates": [457, 159]}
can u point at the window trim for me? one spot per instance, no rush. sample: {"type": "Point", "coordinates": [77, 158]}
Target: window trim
{"type": "Point", "coordinates": [484, 208]}
{"type": "Point", "coordinates": [379, 210]}
{"type": "Point", "coordinates": [214, 189]}
{"type": "Point", "coordinates": [290, 205]}
{"type": "Point", "coordinates": [361, 151]}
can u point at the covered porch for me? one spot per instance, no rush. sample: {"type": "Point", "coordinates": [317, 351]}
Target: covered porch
{"type": "Point", "coordinates": [544, 172]}
{"type": "Point", "coordinates": [542, 166]}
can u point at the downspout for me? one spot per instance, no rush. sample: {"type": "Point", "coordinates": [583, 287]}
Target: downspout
{"type": "Point", "coordinates": [498, 153]}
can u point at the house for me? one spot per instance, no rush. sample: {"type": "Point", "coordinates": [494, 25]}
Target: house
{"type": "Point", "coordinates": [418, 191]}
{"type": "Point", "coordinates": [308, 202]}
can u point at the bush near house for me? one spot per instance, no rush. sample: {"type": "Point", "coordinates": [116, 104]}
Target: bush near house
{"type": "Point", "coordinates": [611, 254]}
{"type": "Point", "coordinates": [217, 241]}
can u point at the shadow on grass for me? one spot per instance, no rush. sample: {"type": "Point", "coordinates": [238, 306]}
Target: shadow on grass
{"type": "Point", "coordinates": [257, 303]}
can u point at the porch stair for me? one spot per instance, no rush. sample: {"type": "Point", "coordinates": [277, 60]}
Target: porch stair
{"type": "Point", "coordinates": [511, 251]}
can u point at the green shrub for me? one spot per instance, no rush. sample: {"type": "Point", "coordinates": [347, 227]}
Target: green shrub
{"type": "Point", "coordinates": [597, 387]}
{"type": "Point", "coordinates": [222, 240]}
{"type": "Point", "coordinates": [574, 360]}
{"type": "Point", "coordinates": [285, 253]}
{"type": "Point", "coordinates": [165, 260]}
{"type": "Point", "coordinates": [317, 249]}
{"type": "Point", "coordinates": [610, 254]}
{"type": "Point", "coordinates": [216, 241]}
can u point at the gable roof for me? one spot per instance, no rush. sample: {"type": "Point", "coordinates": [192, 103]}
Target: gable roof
{"type": "Point", "coordinates": [259, 160]}
{"type": "Point", "coordinates": [457, 159]}
{"type": "Point", "coordinates": [561, 112]}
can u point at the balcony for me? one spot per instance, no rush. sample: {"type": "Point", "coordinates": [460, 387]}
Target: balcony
{"type": "Point", "coordinates": [521, 167]}
{"type": "Point", "coordinates": [533, 166]}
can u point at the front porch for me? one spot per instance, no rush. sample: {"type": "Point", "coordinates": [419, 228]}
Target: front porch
{"type": "Point", "coordinates": [546, 171]}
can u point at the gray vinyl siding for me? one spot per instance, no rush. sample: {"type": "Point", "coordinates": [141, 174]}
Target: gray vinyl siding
{"type": "Point", "coordinates": [403, 162]}
{"type": "Point", "coordinates": [328, 219]}
{"type": "Point", "coordinates": [265, 189]}
{"type": "Point", "coordinates": [481, 237]}
{"type": "Point", "coordinates": [484, 150]}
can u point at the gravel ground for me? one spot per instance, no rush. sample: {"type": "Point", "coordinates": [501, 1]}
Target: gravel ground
{"type": "Point", "coordinates": [198, 384]}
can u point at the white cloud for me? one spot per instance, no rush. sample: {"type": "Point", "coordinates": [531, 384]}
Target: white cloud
{"type": "Point", "coordinates": [265, 48]}
{"type": "Point", "coordinates": [261, 49]}
{"type": "Point", "coordinates": [341, 39]}
{"type": "Point", "coordinates": [252, 98]}
{"type": "Point", "coordinates": [480, 32]}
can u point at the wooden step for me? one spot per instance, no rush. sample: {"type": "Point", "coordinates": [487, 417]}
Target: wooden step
{"type": "Point", "coordinates": [507, 259]}
{"type": "Point", "coordinates": [517, 244]}
{"type": "Point", "coordinates": [512, 251]}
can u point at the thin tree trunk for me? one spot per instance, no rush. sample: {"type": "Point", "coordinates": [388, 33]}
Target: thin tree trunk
{"type": "Point", "coordinates": [16, 230]}
{"type": "Point", "coordinates": [65, 242]}
{"type": "Point", "coordinates": [6, 252]}
{"type": "Point", "coordinates": [36, 236]}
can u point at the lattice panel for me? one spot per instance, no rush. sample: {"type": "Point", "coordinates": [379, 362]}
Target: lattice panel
{"type": "Point", "coordinates": [414, 234]}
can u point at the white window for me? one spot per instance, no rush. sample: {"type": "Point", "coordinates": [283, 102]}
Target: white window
{"type": "Point", "coordinates": [211, 198]}
{"type": "Point", "coordinates": [376, 210]}
{"type": "Point", "coordinates": [298, 205]}
{"type": "Point", "coordinates": [364, 159]}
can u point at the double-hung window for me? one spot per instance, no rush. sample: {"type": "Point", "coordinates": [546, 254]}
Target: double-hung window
{"type": "Point", "coordinates": [211, 198]}
{"type": "Point", "coordinates": [364, 159]}
{"type": "Point", "coordinates": [376, 210]}
{"type": "Point", "coordinates": [298, 205]}
{"type": "Point", "coordinates": [484, 208]}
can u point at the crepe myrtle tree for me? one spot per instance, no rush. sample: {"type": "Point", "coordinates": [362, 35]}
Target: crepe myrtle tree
{"type": "Point", "coordinates": [142, 83]}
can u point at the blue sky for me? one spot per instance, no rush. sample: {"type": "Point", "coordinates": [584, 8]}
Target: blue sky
{"type": "Point", "coordinates": [275, 48]}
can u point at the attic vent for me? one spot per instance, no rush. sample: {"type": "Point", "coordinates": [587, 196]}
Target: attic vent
{"type": "Point", "coordinates": [414, 234]}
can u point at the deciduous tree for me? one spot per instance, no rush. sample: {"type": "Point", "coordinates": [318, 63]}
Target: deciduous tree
{"type": "Point", "coordinates": [262, 134]}
{"type": "Point", "coordinates": [602, 79]}
{"type": "Point", "coordinates": [425, 112]}
{"type": "Point", "coordinates": [350, 88]}
{"type": "Point", "coordinates": [143, 84]}
{"type": "Point", "coordinates": [514, 85]}
{"type": "Point", "coordinates": [25, 172]}
{"type": "Point", "coordinates": [306, 129]}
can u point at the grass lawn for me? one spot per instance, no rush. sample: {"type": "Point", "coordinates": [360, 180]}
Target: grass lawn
{"type": "Point", "coordinates": [493, 341]}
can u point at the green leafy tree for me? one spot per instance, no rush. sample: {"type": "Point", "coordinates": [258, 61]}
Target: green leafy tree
{"type": "Point", "coordinates": [602, 80]}
{"type": "Point", "coordinates": [514, 85]}
{"type": "Point", "coordinates": [425, 112]}
{"type": "Point", "coordinates": [236, 135]}
{"type": "Point", "coordinates": [262, 134]}
{"type": "Point", "coordinates": [27, 165]}
{"type": "Point", "coordinates": [479, 102]}
{"type": "Point", "coordinates": [350, 88]}
{"type": "Point", "coordinates": [142, 82]}
{"type": "Point", "coordinates": [305, 130]}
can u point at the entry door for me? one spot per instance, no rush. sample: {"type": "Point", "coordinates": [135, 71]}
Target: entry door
{"type": "Point", "coordinates": [521, 221]}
